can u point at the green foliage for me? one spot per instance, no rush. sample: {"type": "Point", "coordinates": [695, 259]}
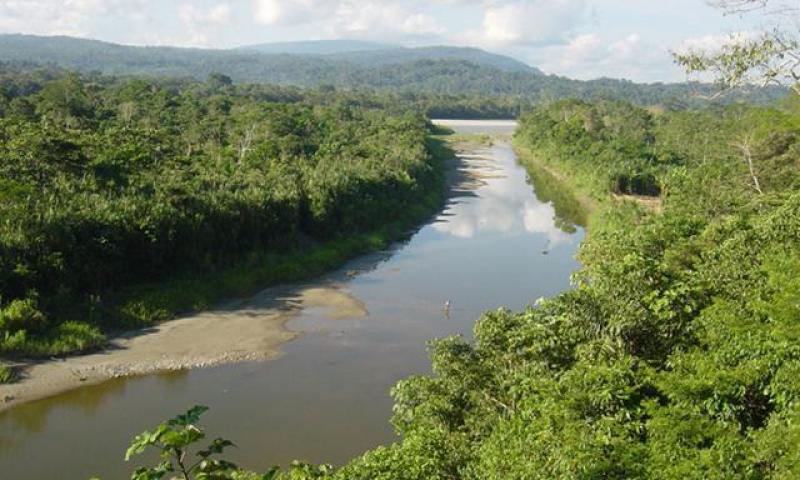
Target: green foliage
{"type": "Point", "coordinates": [178, 441]}
{"type": "Point", "coordinates": [116, 185]}
{"type": "Point", "coordinates": [66, 338]}
{"type": "Point", "coordinates": [605, 146]}
{"type": "Point", "coordinates": [440, 81]}
{"type": "Point", "coordinates": [174, 441]}
{"type": "Point", "coordinates": [7, 374]}
{"type": "Point", "coordinates": [21, 315]}
{"type": "Point", "coordinates": [770, 58]}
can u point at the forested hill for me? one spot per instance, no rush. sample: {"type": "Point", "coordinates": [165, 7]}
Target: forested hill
{"type": "Point", "coordinates": [369, 53]}
{"type": "Point", "coordinates": [319, 47]}
{"type": "Point", "coordinates": [441, 71]}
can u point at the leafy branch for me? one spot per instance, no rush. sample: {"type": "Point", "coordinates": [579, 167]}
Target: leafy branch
{"type": "Point", "coordinates": [173, 439]}
{"type": "Point", "coordinates": [770, 58]}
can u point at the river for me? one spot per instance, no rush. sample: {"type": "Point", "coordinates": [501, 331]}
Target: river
{"type": "Point", "coordinates": [326, 397]}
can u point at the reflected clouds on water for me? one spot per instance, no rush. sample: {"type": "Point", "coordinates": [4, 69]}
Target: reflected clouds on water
{"type": "Point", "coordinates": [499, 204]}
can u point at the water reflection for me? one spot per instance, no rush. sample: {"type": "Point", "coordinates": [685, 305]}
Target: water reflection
{"type": "Point", "coordinates": [503, 207]}
{"type": "Point", "coordinates": [569, 212]}
{"type": "Point", "coordinates": [21, 423]}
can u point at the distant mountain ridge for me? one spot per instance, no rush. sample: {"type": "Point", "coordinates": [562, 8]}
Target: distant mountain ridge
{"type": "Point", "coordinates": [409, 55]}
{"type": "Point", "coordinates": [79, 53]}
{"type": "Point", "coordinates": [453, 71]}
{"type": "Point", "coordinates": [318, 47]}
{"type": "Point", "coordinates": [373, 53]}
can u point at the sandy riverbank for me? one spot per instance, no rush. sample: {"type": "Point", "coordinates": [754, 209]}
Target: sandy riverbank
{"type": "Point", "coordinates": [242, 330]}
{"type": "Point", "coordinates": [238, 331]}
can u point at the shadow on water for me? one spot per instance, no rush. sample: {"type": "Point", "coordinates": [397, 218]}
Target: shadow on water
{"type": "Point", "coordinates": [33, 417]}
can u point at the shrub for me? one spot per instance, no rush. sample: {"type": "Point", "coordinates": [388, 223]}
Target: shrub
{"type": "Point", "coordinates": [21, 315]}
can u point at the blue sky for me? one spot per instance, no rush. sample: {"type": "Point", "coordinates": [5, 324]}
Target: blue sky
{"type": "Point", "coordinates": [576, 38]}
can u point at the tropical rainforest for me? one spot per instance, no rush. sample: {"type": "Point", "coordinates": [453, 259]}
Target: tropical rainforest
{"type": "Point", "coordinates": [110, 184]}
{"type": "Point", "coordinates": [466, 76]}
{"type": "Point", "coordinates": [675, 356]}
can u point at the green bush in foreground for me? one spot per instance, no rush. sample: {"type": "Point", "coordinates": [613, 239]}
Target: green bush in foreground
{"type": "Point", "coordinates": [181, 456]}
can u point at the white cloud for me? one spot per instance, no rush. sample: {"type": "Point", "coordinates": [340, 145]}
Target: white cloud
{"type": "Point", "coordinates": [713, 43]}
{"type": "Point", "coordinates": [591, 55]}
{"type": "Point", "coordinates": [381, 20]}
{"type": "Point", "coordinates": [62, 17]}
{"type": "Point", "coordinates": [193, 16]}
{"type": "Point", "coordinates": [199, 21]}
{"type": "Point", "coordinates": [531, 22]}
{"type": "Point", "coordinates": [288, 12]}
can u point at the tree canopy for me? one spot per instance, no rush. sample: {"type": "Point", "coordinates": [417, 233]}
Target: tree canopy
{"type": "Point", "coordinates": [107, 184]}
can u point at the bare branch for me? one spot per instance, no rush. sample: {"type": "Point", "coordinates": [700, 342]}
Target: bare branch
{"type": "Point", "coordinates": [744, 145]}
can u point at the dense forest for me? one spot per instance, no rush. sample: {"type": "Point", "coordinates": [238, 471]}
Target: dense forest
{"type": "Point", "coordinates": [453, 72]}
{"type": "Point", "coordinates": [21, 78]}
{"type": "Point", "coordinates": [676, 354]}
{"type": "Point", "coordinates": [365, 54]}
{"type": "Point", "coordinates": [107, 183]}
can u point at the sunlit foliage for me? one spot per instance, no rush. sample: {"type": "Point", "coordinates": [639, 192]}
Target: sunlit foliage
{"type": "Point", "coordinates": [106, 183]}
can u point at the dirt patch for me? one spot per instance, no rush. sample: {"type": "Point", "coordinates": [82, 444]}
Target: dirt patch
{"type": "Point", "coordinates": [654, 204]}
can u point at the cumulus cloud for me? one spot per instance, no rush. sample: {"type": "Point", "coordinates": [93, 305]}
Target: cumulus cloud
{"type": "Point", "coordinates": [193, 15]}
{"type": "Point", "coordinates": [380, 19]}
{"type": "Point", "coordinates": [287, 12]}
{"type": "Point", "coordinates": [592, 55]}
{"type": "Point", "coordinates": [531, 22]}
{"type": "Point", "coordinates": [61, 17]}
{"type": "Point", "coordinates": [713, 43]}
{"type": "Point", "coordinates": [198, 21]}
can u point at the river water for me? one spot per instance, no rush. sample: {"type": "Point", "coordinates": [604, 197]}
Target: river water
{"type": "Point", "coordinates": [499, 241]}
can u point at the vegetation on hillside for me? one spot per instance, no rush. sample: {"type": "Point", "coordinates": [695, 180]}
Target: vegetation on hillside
{"type": "Point", "coordinates": [412, 72]}
{"type": "Point", "coordinates": [109, 184]}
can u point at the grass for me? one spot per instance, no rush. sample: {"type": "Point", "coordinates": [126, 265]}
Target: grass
{"type": "Point", "coordinates": [66, 339]}
{"type": "Point", "coordinates": [469, 138]}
